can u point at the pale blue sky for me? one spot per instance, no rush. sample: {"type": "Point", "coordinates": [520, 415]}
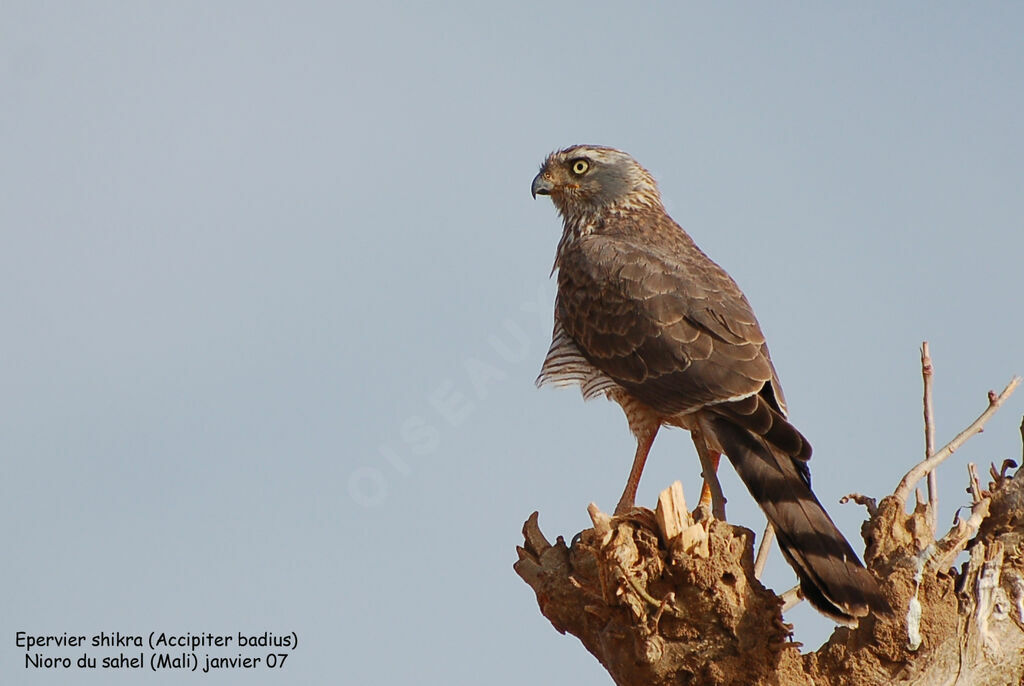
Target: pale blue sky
{"type": "Point", "coordinates": [274, 294]}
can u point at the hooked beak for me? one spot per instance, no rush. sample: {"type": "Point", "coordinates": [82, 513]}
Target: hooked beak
{"type": "Point", "coordinates": [541, 185]}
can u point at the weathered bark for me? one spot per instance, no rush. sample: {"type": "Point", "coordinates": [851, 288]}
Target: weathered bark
{"type": "Point", "coordinates": [661, 603]}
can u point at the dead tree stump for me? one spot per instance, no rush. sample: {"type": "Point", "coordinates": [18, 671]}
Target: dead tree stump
{"type": "Point", "coordinates": [671, 597]}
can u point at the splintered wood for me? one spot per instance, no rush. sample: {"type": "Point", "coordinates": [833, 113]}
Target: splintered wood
{"type": "Point", "coordinates": [671, 512]}
{"type": "Point", "coordinates": [654, 595]}
{"type": "Point", "coordinates": [675, 522]}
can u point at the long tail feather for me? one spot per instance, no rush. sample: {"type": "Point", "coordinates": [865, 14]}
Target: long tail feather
{"type": "Point", "coordinates": [831, 575]}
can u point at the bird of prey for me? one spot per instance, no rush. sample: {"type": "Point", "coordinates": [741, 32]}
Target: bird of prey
{"type": "Point", "coordinates": [645, 318]}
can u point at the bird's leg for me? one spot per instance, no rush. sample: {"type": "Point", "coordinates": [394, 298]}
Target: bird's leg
{"type": "Point", "coordinates": [644, 440]}
{"type": "Point", "coordinates": [712, 490]}
{"type": "Point", "coordinates": [705, 491]}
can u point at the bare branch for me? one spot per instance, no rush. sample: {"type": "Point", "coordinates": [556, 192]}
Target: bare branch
{"type": "Point", "coordinates": [998, 477]}
{"type": "Point", "coordinates": [975, 487]}
{"type": "Point", "coordinates": [923, 468]}
{"type": "Point", "coordinates": [953, 542]}
{"type": "Point", "coordinates": [950, 545]}
{"type": "Point", "coordinates": [762, 550]}
{"type": "Point", "coordinates": [864, 500]}
{"type": "Point", "coordinates": [791, 598]}
{"type": "Point", "coordinates": [927, 372]}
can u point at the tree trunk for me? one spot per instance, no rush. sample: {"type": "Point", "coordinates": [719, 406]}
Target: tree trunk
{"type": "Point", "coordinates": [670, 597]}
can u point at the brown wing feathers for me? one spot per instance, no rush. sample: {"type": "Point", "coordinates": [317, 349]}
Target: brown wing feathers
{"type": "Point", "coordinates": [678, 334]}
{"type": "Point", "coordinates": [656, 329]}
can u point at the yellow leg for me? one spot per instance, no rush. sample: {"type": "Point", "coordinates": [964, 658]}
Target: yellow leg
{"type": "Point", "coordinates": [711, 494]}
{"type": "Point", "coordinates": [705, 491]}
{"type": "Point", "coordinates": [643, 447]}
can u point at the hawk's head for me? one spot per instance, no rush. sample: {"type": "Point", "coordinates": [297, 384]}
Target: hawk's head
{"type": "Point", "coordinates": [586, 179]}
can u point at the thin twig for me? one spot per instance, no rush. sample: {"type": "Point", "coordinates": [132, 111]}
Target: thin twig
{"type": "Point", "coordinates": [927, 371]}
{"type": "Point", "coordinates": [998, 477]}
{"type": "Point", "coordinates": [946, 549]}
{"type": "Point", "coordinates": [669, 598]}
{"type": "Point", "coordinates": [972, 472]}
{"type": "Point", "coordinates": [662, 605]}
{"type": "Point", "coordinates": [923, 468]}
{"type": "Point", "coordinates": [950, 545]}
{"type": "Point", "coordinates": [762, 550]}
{"type": "Point", "coordinates": [866, 501]}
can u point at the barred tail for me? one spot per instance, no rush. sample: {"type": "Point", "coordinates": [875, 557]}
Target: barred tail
{"type": "Point", "coordinates": [831, 576]}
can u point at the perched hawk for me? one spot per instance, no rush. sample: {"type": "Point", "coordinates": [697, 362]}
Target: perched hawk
{"type": "Point", "coordinates": [647, 319]}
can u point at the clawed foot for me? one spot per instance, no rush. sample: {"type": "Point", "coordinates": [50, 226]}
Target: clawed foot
{"type": "Point", "coordinates": [703, 512]}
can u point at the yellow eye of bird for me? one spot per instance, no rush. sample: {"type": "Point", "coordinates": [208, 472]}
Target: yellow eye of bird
{"type": "Point", "coordinates": [580, 167]}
